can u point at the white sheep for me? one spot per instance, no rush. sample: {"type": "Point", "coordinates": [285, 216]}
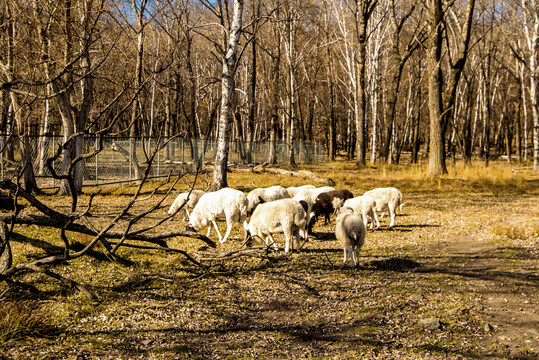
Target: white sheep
{"type": "Point", "coordinates": [280, 216]}
{"type": "Point", "coordinates": [310, 195]}
{"type": "Point", "coordinates": [188, 200]}
{"type": "Point", "coordinates": [293, 190]}
{"type": "Point", "coordinates": [387, 199]}
{"type": "Point", "coordinates": [226, 203]}
{"type": "Point", "coordinates": [350, 231]}
{"type": "Point", "coordinates": [261, 195]}
{"type": "Point", "coordinates": [366, 206]}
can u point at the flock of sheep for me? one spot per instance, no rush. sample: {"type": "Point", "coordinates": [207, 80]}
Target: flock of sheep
{"type": "Point", "coordinates": [291, 211]}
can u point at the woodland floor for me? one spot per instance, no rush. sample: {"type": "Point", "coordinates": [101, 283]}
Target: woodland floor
{"type": "Point", "coordinates": [466, 262]}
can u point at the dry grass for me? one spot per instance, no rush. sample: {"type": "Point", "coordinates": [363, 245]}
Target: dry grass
{"type": "Point", "coordinates": [22, 320]}
{"type": "Point", "coordinates": [464, 251]}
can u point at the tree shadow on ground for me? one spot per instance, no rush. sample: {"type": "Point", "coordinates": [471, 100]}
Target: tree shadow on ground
{"type": "Point", "coordinates": [277, 339]}
{"type": "Point", "coordinates": [394, 264]}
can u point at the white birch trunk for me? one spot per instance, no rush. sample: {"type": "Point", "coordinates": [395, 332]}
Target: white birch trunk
{"type": "Point", "coordinates": [531, 29]}
{"type": "Point", "coordinates": [227, 90]}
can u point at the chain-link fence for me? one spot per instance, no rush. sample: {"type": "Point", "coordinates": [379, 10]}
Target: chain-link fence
{"type": "Point", "coordinates": [123, 159]}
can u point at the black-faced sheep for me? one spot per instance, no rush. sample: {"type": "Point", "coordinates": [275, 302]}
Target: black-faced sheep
{"type": "Point", "coordinates": [366, 206]}
{"type": "Point", "coordinates": [350, 231]}
{"type": "Point", "coordinates": [226, 203]}
{"type": "Point", "coordinates": [189, 199]}
{"type": "Point", "coordinates": [387, 199]}
{"type": "Point", "coordinates": [280, 216]}
{"type": "Point", "coordinates": [328, 203]}
{"type": "Point", "coordinates": [262, 195]}
{"type": "Point", "coordinates": [309, 196]}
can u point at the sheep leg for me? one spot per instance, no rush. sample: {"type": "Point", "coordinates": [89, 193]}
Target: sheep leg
{"type": "Point", "coordinates": [287, 241]}
{"type": "Point", "coordinates": [272, 242]}
{"type": "Point", "coordinates": [228, 230]}
{"type": "Point", "coordinates": [298, 238]}
{"type": "Point", "coordinates": [365, 219]}
{"type": "Point", "coordinates": [392, 214]}
{"type": "Point", "coordinates": [216, 229]}
{"type": "Point", "coordinates": [375, 218]}
{"type": "Point", "coordinates": [352, 257]}
{"type": "Point", "coordinates": [243, 220]}
{"type": "Point", "coordinates": [356, 256]}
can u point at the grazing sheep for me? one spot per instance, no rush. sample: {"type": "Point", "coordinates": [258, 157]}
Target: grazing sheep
{"type": "Point", "coordinates": [328, 203]}
{"type": "Point", "coordinates": [387, 199]}
{"type": "Point", "coordinates": [189, 199]}
{"type": "Point", "coordinates": [293, 190]}
{"type": "Point", "coordinates": [366, 206]}
{"type": "Point", "coordinates": [350, 231]}
{"type": "Point", "coordinates": [262, 195]}
{"type": "Point", "coordinates": [286, 216]}
{"type": "Point", "coordinates": [309, 195]}
{"type": "Point", "coordinates": [226, 203]}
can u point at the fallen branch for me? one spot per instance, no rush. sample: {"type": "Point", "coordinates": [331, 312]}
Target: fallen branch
{"type": "Point", "coordinates": [300, 173]}
{"type": "Point", "coordinates": [75, 227]}
{"type": "Point", "coordinates": [184, 253]}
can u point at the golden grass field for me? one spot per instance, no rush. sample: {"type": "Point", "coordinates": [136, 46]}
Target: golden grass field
{"type": "Point", "coordinates": [463, 254]}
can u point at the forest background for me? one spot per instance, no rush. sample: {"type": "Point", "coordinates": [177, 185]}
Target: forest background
{"type": "Point", "coordinates": [371, 79]}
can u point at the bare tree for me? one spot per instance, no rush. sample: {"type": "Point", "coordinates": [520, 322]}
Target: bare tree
{"type": "Point", "coordinates": [531, 29]}
{"type": "Point", "coordinates": [441, 101]}
{"type": "Point", "coordinates": [362, 12]}
{"type": "Point", "coordinates": [275, 59]}
{"type": "Point", "coordinates": [9, 70]}
{"type": "Point", "coordinates": [399, 55]}
{"type": "Point", "coordinates": [232, 36]}
{"type": "Point", "coordinates": [288, 37]}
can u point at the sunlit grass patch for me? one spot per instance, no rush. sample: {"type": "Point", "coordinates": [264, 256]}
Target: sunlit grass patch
{"type": "Point", "coordinates": [20, 320]}
{"type": "Point", "coordinates": [509, 231]}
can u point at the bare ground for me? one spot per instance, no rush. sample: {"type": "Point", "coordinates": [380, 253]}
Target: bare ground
{"type": "Point", "coordinates": [457, 278]}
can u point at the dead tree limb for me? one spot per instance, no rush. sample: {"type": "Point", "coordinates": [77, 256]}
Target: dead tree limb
{"type": "Point", "coordinates": [5, 248]}
{"type": "Point", "coordinates": [184, 253]}
{"type": "Point", "coordinates": [299, 173]}
{"type": "Point", "coordinates": [75, 227]}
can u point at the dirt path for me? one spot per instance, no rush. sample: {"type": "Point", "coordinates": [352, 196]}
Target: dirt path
{"type": "Point", "coordinates": [509, 294]}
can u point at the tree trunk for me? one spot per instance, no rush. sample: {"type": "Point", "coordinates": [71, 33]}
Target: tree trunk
{"type": "Point", "coordinates": [25, 148]}
{"type": "Point", "coordinates": [363, 11]}
{"type": "Point", "coordinates": [434, 57]}
{"type": "Point", "coordinates": [274, 98]}
{"type": "Point", "coordinates": [227, 90]}
{"type": "Point", "coordinates": [138, 9]}
{"type": "Point", "coordinates": [250, 128]}
{"type": "Point", "coordinates": [332, 122]}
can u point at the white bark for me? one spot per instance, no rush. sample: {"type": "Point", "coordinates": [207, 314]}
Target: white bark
{"type": "Point", "coordinates": [227, 91]}
{"type": "Point", "coordinates": [531, 29]}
